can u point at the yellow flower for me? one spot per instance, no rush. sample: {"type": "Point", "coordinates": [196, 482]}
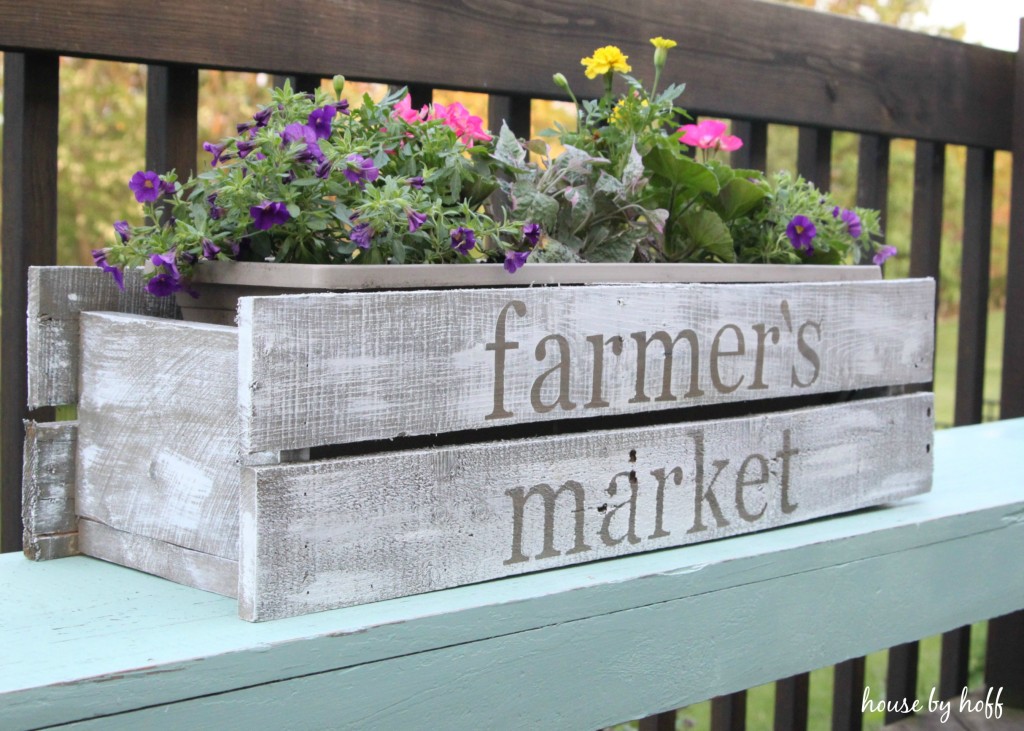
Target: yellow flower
{"type": "Point", "coordinates": [618, 115]}
{"type": "Point", "coordinates": [665, 43]}
{"type": "Point", "coordinates": [605, 60]}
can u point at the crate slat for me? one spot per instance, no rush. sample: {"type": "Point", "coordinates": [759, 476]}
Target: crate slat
{"type": "Point", "coordinates": [56, 298]}
{"type": "Point", "coordinates": [48, 490]}
{"type": "Point", "coordinates": [157, 447]}
{"type": "Point", "coordinates": [326, 369]}
{"type": "Point", "coordinates": [347, 531]}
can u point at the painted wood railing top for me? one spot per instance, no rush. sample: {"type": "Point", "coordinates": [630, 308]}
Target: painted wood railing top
{"type": "Point", "coordinates": [87, 641]}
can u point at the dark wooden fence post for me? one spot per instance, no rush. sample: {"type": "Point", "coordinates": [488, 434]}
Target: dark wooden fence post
{"type": "Point", "coordinates": [791, 697]}
{"type": "Point", "coordinates": [29, 239]}
{"type": "Point", "coordinates": [513, 110]}
{"type": "Point", "coordinates": [814, 156]}
{"type": "Point", "coordinates": [172, 102]}
{"type": "Point", "coordinates": [729, 712]}
{"type": "Point", "coordinates": [754, 153]}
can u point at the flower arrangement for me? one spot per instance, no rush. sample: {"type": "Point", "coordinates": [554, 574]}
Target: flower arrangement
{"type": "Point", "coordinates": [310, 179]}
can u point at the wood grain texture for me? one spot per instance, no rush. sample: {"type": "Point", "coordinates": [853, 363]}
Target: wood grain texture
{"type": "Point", "coordinates": [180, 565]}
{"type": "Point", "coordinates": [56, 298]}
{"type": "Point", "coordinates": [338, 368]}
{"type": "Point", "coordinates": [843, 74]}
{"type": "Point", "coordinates": [157, 448]}
{"type": "Point", "coordinates": [722, 614]}
{"type": "Point", "coordinates": [354, 530]}
{"type": "Point", "coordinates": [48, 490]}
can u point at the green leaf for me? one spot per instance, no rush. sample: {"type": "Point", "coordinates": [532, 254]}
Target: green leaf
{"type": "Point", "coordinates": [398, 251]}
{"type": "Point", "coordinates": [617, 248]}
{"type": "Point", "coordinates": [708, 234]}
{"type": "Point", "coordinates": [294, 210]}
{"type": "Point", "coordinates": [532, 205]}
{"type": "Point", "coordinates": [305, 182]}
{"type": "Point", "coordinates": [680, 170]}
{"type": "Point", "coordinates": [508, 150]}
{"type": "Point", "coordinates": [738, 198]}
{"type": "Point", "coordinates": [633, 172]}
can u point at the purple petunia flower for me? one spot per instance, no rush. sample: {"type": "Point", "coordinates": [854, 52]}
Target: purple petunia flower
{"type": "Point", "coordinates": [514, 260]}
{"type": "Point", "coordinates": [416, 220]}
{"type": "Point", "coordinates": [216, 150]}
{"type": "Point", "coordinates": [263, 116]}
{"type": "Point", "coordinates": [243, 127]}
{"type": "Point", "coordinates": [145, 184]}
{"type": "Point", "coordinates": [167, 260]}
{"type": "Point", "coordinates": [167, 187]}
{"type": "Point", "coordinates": [122, 229]}
{"type": "Point", "coordinates": [531, 232]}
{"type": "Point", "coordinates": [323, 170]}
{"type": "Point", "coordinates": [360, 170]}
{"type": "Point", "coordinates": [269, 214]}
{"type": "Point", "coordinates": [244, 148]}
{"type": "Point", "coordinates": [320, 121]}
{"type": "Point", "coordinates": [463, 240]}
{"type": "Point", "coordinates": [296, 132]}
{"type": "Point", "coordinates": [210, 249]}
{"type": "Point", "coordinates": [99, 257]}
{"type": "Point", "coordinates": [801, 232]}
{"type": "Point", "coordinates": [163, 285]}
{"type": "Point", "coordinates": [343, 107]}
{"type": "Point", "coordinates": [853, 224]}
{"type": "Point", "coordinates": [361, 235]}
{"type": "Point", "coordinates": [884, 253]}
{"type": "Point", "coordinates": [416, 182]}
{"type": "Point", "coordinates": [216, 212]}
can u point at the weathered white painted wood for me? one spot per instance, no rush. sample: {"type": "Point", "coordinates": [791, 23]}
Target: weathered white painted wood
{"type": "Point", "coordinates": [48, 490]}
{"type": "Point", "coordinates": [336, 368]}
{"type": "Point", "coordinates": [355, 530]}
{"type": "Point", "coordinates": [180, 565]}
{"type": "Point", "coordinates": [56, 296]}
{"type": "Point", "coordinates": [158, 439]}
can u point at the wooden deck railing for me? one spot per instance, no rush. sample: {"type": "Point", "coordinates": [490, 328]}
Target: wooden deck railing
{"type": "Point", "coordinates": [754, 62]}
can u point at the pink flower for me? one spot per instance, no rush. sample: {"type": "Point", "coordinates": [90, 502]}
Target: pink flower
{"type": "Point", "coordinates": [404, 111]}
{"type": "Point", "coordinates": [468, 127]}
{"type": "Point", "coordinates": [709, 134]}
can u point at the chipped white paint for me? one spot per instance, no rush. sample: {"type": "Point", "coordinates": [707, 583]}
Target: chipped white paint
{"type": "Point", "coordinates": [337, 368]}
{"type": "Point", "coordinates": [56, 296]}
{"type": "Point", "coordinates": [157, 451]}
{"type": "Point", "coordinates": [355, 530]}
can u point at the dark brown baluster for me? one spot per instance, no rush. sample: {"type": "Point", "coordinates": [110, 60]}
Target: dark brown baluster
{"type": "Point", "coordinates": [29, 233]}
{"type": "Point", "coordinates": [791, 696]}
{"type": "Point", "coordinates": [754, 153]}
{"type": "Point", "coordinates": [848, 695]}
{"type": "Point", "coordinates": [511, 110]}
{"type": "Point", "coordinates": [814, 156]}
{"type": "Point", "coordinates": [729, 712]}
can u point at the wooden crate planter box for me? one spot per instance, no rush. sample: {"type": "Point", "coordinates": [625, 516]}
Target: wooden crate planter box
{"type": "Point", "coordinates": [343, 448]}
